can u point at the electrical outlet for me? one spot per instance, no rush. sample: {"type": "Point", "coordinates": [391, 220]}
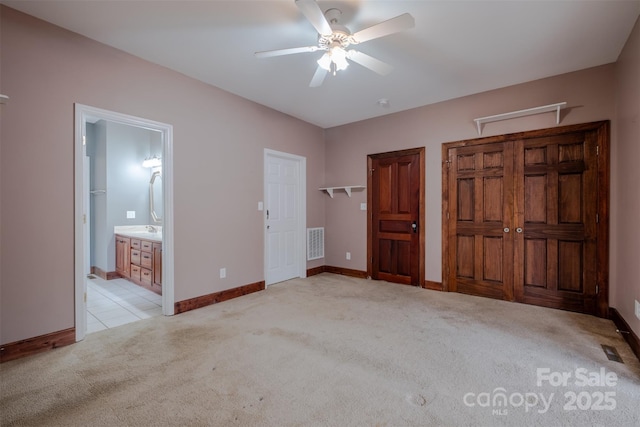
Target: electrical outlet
{"type": "Point", "coordinates": [223, 273]}
{"type": "Point", "coordinates": [348, 255]}
{"type": "Point", "coordinates": [638, 309]}
{"type": "Point", "coordinates": [131, 214]}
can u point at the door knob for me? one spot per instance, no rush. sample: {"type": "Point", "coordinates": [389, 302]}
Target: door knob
{"type": "Point", "coordinates": [506, 229]}
{"type": "Point", "coordinates": [414, 226]}
{"type": "Point", "coordinates": [518, 230]}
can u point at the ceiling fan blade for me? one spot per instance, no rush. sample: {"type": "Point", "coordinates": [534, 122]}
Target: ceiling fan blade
{"type": "Point", "coordinates": [313, 13]}
{"type": "Point", "coordinates": [318, 77]}
{"type": "Point", "coordinates": [279, 52]}
{"type": "Point", "coordinates": [370, 62]}
{"type": "Point", "coordinates": [393, 25]}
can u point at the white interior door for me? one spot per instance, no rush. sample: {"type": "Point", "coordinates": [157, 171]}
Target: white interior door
{"type": "Point", "coordinates": [284, 258]}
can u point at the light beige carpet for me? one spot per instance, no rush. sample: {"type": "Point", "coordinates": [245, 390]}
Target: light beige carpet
{"type": "Point", "coordinates": [333, 350]}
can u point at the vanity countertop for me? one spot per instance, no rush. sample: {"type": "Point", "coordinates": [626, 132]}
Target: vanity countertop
{"type": "Point", "coordinates": [139, 232]}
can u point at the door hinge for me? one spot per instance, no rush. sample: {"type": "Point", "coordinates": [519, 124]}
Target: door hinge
{"type": "Point", "coordinates": [447, 215]}
{"type": "Point", "coordinates": [371, 171]}
{"type": "Point", "coordinates": [597, 219]}
{"type": "Point", "coordinates": [597, 150]}
{"type": "Point", "coordinates": [597, 289]}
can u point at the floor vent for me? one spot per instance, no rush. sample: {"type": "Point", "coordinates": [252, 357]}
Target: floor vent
{"type": "Point", "coordinates": [612, 353]}
{"type": "Point", "coordinates": [315, 243]}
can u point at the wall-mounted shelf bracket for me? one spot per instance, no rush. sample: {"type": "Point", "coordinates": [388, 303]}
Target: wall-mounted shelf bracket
{"type": "Point", "coordinates": [347, 188]}
{"type": "Point", "coordinates": [521, 113]}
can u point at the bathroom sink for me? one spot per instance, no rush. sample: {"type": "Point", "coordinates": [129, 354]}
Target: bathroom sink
{"type": "Point", "coordinates": [150, 232]}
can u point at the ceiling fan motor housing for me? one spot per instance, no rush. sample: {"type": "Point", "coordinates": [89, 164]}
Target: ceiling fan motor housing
{"type": "Point", "coordinates": [340, 37]}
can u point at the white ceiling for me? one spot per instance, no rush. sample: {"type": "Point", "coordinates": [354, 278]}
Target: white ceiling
{"type": "Point", "coordinates": [457, 48]}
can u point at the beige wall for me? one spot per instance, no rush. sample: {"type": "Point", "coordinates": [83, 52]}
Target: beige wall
{"type": "Point", "coordinates": [219, 141]}
{"type": "Point", "coordinates": [590, 97]}
{"type": "Point", "coordinates": [609, 92]}
{"type": "Point", "coordinates": [218, 151]}
{"type": "Point", "coordinates": [625, 180]}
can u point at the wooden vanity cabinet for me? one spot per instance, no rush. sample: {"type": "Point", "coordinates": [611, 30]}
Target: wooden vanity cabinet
{"type": "Point", "coordinates": [135, 272]}
{"type": "Point", "coordinates": [157, 264]}
{"type": "Point", "coordinates": [135, 256]}
{"type": "Point", "coordinates": [123, 256]}
{"type": "Point", "coordinates": [140, 261]}
{"type": "Point", "coordinates": [145, 276]}
{"type": "Point", "coordinates": [146, 260]}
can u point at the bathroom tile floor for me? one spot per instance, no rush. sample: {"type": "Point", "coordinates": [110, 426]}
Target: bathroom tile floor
{"type": "Point", "coordinates": [116, 302]}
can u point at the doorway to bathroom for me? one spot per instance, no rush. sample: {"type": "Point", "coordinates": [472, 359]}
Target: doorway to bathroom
{"type": "Point", "coordinates": [124, 227]}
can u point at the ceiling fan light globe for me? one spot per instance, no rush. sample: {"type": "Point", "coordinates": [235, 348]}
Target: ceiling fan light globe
{"type": "Point", "coordinates": [325, 62]}
{"type": "Point", "coordinates": [337, 53]}
{"type": "Point", "coordinates": [341, 63]}
{"type": "Point", "coordinates": [339, 57]}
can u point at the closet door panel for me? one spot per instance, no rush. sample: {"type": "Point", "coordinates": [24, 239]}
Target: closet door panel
{"type": "Point", "coordinates": [556, 213]}
{"type": "Point", "coordinates": [480, 186]}
{"type": "Point", "coordinates": [526, 217]}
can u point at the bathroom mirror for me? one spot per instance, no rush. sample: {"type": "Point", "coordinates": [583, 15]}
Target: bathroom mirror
{"type": "Point", "coordinates": [155, 197]}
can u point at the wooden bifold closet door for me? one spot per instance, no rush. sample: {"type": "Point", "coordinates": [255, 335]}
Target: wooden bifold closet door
{"type": "Point", "coordinates": [525, 217]}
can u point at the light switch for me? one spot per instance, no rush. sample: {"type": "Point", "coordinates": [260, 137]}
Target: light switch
{"type": "Point", "coordinates": [260, 206]}
{"type": "Point", "coordinates": [363, 206]}
{"type": "Point", "coordinates": [131, 214]}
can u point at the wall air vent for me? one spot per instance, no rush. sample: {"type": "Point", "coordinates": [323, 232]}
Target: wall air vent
{"type": "Point", "coordinates": [315, 243]}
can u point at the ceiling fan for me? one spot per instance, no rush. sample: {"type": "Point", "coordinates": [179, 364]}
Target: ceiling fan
{"type": "Point", "coordinates": [334, 39]}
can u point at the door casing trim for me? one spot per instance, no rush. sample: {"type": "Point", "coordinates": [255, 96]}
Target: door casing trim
{"type": "Point", "coordinates": [82, 114]}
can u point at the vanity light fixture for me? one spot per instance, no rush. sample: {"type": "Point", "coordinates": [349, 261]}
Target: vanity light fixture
{"type": "Point", "coordinates": [152, 162]}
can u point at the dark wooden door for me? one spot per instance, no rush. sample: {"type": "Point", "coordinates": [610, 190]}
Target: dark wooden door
{"type": "Point", "coordinates": [526, 217]}
{"type": "Point", "coordinates": [396, 207]}
{"type": "Point", "coordinates": [556, 209]}
{"type": "Point", "coordinates": [481, 246]}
